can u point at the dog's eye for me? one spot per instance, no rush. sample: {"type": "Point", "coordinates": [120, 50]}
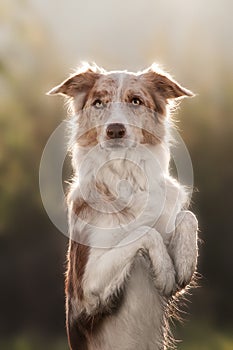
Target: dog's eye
{"type": "Point", "coordinates": [98, 103]}
{"type": "Point", "coordinates": [136, 101]}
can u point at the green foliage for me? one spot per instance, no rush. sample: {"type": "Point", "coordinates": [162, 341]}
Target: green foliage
{"type": "Point", "coordinates": [26, 117]}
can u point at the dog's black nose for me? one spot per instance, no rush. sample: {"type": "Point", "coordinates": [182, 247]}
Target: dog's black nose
{"type": "Point", "coordinates": [115, 131]}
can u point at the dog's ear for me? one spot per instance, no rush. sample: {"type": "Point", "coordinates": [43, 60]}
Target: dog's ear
{"type": "Point", "coordinates": [163, 84]}
{"type": "Point", "coordinates": [80, 82]}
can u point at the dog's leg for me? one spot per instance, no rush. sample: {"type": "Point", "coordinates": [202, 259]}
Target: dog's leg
{"type": "Point", "coordinates": [107, 271]}
{"type": "Point", "coordinates": [76, 336]}
{"type": "Point", "coordinates": [183, 247]}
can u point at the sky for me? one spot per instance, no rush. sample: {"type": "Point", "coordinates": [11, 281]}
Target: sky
{"type": "Point", "coordinates": [191, 39]}
{"type": "Point", "coordinates": [133, 33]}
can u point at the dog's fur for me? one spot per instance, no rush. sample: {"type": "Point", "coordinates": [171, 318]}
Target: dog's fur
{"type": "Point", "coordinates": [132, 244]}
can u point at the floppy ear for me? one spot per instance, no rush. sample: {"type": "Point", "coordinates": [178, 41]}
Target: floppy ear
{"type": "Point", "coordinates": [164, 85]}
{"type": "Point", "coordinates": [80, 82]}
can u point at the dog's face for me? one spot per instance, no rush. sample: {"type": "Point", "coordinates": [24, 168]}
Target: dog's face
{"type": "Point", "coordinates": [120, 109]}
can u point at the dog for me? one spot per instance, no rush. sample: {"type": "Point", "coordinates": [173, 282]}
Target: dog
{"type": "Point", "coordinates": [133, 243]}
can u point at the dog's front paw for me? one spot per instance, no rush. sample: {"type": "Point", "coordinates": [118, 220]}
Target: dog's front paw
{"type": "Point", "coordinates": [183, 247]}
{"type": "Point", "coordinates": [166, 281]}
{"type": "Point", "coordinates": [162, 265]}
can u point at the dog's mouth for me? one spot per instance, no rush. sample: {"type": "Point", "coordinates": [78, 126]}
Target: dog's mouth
{"type": "Point", "coordinates": [118, 143]}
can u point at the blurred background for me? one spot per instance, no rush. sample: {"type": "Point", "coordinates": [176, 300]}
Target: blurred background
{"type": "Point", "coordinates": [40, 42]}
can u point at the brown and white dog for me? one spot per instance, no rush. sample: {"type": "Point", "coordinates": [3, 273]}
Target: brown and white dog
{"type": "Point", "coordinates": [132, 244]}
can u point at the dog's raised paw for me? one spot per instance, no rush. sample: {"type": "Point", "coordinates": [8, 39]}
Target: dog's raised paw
{"type": "Point", "coordinates": [183, 247]}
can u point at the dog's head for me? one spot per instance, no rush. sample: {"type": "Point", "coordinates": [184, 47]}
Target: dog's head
{"type": "Point", "coordinates": [118, 108]}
